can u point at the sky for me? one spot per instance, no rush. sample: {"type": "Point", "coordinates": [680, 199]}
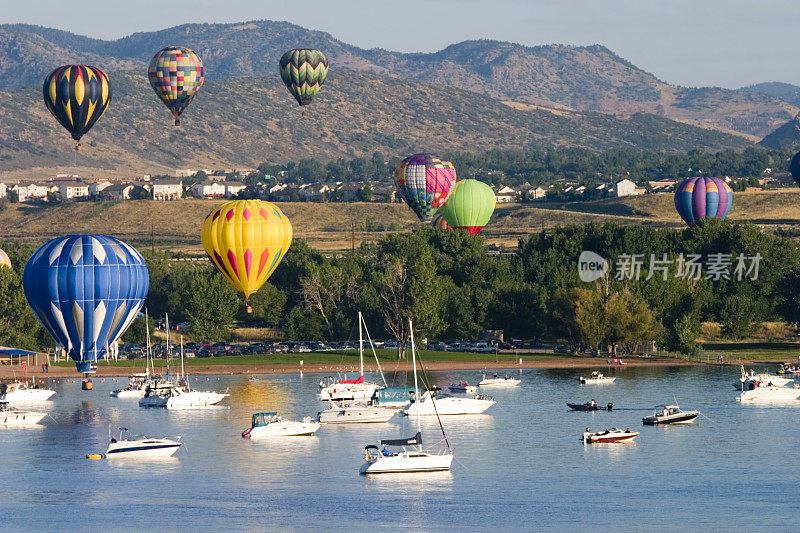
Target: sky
{"type": "Point", "coordinates": [725, 43]}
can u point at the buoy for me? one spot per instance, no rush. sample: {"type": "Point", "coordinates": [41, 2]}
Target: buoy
{"type": "Point", "coordinates": [94, 456]}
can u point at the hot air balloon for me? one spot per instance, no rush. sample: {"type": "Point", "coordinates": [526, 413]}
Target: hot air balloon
{"type": "Point", "coordinates": [85, 290]}
{"type": "Point", "coordinates": [176, 74]}
{"type": "Point", "coordinates": [470, 206]}
{"type": "Point", "coordinates": [246, 240]}
{"type": "Point", "coordinates": [439, 222]}
{"type": "Point", "coordinates": [303, 71]}
{"type": "Point", "coordinates": [424, 181]}
{"type": "Point", "coordinates": [5, 261]}
{"type": "Point", "coordinates": [794, 167]}
{"type": "Point", "coordinates": [697, 198]}
{"type": "Point", "coordinates": [77, 95]}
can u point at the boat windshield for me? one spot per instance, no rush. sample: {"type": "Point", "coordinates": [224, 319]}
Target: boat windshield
{"type": "Point", "coordinates": [262, 419]}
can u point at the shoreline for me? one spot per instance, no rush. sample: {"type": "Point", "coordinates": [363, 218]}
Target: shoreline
{"type": "Point", "coordinates": [7, 372]}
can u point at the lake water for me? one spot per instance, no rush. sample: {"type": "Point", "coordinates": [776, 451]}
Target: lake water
{"type": "Point", "coordinates": [521, 466]}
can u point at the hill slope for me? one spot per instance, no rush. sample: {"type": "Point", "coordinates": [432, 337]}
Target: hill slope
{"type": "Point", "coordinates": [782, 91]}
{"type": "Point", "coordinates": [585, 78]}
{"type": "Point", "coordinates": [242, 122]}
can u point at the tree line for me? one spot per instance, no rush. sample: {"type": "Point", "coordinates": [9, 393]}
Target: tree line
{"type": "Point", "coordinates": [452, 289]}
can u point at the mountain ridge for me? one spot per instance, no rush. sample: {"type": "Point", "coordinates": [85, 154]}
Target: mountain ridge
{"type": "Point", "coordinates": [583, 78]}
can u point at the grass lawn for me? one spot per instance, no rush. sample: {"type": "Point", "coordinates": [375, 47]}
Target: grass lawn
{"type": "Point", "coordinates": [752, 351]}
{"type": "Point", "coordinates": [334, 357]}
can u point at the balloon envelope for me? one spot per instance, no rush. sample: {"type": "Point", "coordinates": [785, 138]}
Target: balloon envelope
{"type": "Point", "coordinates": [77, 95]}
{"type": "Point", "coordinates": [424, 181]}
{"type": "Point", "coordinates": [470, 206]}
{"type": "Point", "coordinates": [246, 240]}
{"type": "Point", "coordinates": [303, 71]}
{"type": "Point", "coordinates": [176, 74]}
{"type": "Point", "coordinates": [85, 290]}
{"type": "Point", "coordinates": [439, 222]}
{"type": "Point", "coordinates": [5, 261]}
{"type": "Point", "coordinates": [697, 198]}
{"type": "Point", "coordinates": [794, 167]}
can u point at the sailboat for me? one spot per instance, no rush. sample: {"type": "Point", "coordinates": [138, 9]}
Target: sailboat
{"type": "Point", "coordinates": [411, 457]}
{"type": "Point", "coordinates": [353, 389]}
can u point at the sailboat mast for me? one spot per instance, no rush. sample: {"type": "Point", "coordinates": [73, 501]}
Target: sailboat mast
{"type": "Point", "coordinates": [416, 387]}
{"type": "Point", "coordinates": [182, 357]}
{"type": "Point", "coordinates": [147, 348]}
{"type": "Point", "coordinates": [360, 344]}
{"type": "Point", "coordinates": [169, 352]}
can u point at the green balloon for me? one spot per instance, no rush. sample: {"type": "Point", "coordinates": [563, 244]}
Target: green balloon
{"type": "Point", "coordinates": [470, 206]}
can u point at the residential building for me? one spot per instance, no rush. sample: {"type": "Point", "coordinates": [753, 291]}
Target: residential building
{"type": "Point", "coordinates": [538, 193]}
{"type": "Point", "coordinates": [624, 188]}
{"type": "Point", "coordinates": [95, 188]}
{"type": "Point", "coordinates": [232, 188]}
{"type": "Point", "coordinates": [208, 189]}
{"type": "Point", "coordinates": [118, 191]}
{"type": "Point", "coordinates": [167, 190]}
{"type": "Point", "coordinates": [506, 194]}
{"type": "Point", "coordinates": [73, 189]}
{"type": "Point", "coordinates": [350, 192]}
{"type": "Point", "coordinates": [3, 190]}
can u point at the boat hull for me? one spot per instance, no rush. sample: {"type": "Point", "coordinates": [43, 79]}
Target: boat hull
{"type": "Point", "coordinates": [770, 394]}
{"type": "Point", "coordinates": [144, 449]}
{"type": "Point", "coordinates": [587, 407]}
{"type": "Point", "coordinates": [20, 418]}
{"type": "Point", "coordinates": [29, 395]}
{"type": "Point", "coordinates": [408, 462]}
{"type": "Point", "coordinates": [596, 381]}
{"type": "Point", "coordinates": [499, 382]}
{"type": "Point", "coordinates": [128, 394]}
{"type": "Point", "coordinates": [618, 438]}
{"type": "Point", "coordinates": [340, 392]}
{"type": "Point", "coordinates": [448, 406]}
{"type": "Point", "coordinates": [687, 417]}
{"type": "Point", "coordinates": [356, 415]}
{"type": "Point", "coordinates": [464, 389]}
{"type": "Point", "coordinates": [284, 429]}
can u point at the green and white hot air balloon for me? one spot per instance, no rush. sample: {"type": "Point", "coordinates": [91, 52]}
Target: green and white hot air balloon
{"type": "Point", "coordinates": [303, 71]}
{"type": "Point", "coordinates": [470, 206]}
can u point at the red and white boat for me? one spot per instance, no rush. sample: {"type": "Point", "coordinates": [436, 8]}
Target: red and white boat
{"type": "Point", "coordinates": [609, 436]}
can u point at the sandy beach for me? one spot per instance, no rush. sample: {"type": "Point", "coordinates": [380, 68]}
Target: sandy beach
{"type": "Point", "coordinates": [7, 372]}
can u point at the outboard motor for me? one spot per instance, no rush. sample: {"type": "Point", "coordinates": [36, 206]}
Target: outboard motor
{"type": "Point", "coordinates": [609, 406]}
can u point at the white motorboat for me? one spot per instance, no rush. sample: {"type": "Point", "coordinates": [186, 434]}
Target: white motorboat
{"type": "Point", "coordinates": [448, 405]}
{"type": "Point", "coordinates": [355, 413]}
{"type": "Point", "coordinates": [609, 436]}
{"type": "Point", "coordinates": [770, 393]}
{"type": "Point", "coordinates": [789, 369]}
{"type": "Point", "coordinates": [177, 397]}
{"type": "Point", "coordinates": [495, 381]}
{"type": "Point", "coordinates": [751, 380]}
{"type": "Point", "coordinates": [464, 387]}
{"type": "Point", "coordinates": [670, 414]}
{"type": "Point", "coordinates": [352, 389]}
{"type": "Point", "coordinates": [22, 391]}
{"type": "Point", "coordinates": [271, 424]}
{"type": "Point", "coordinates": [382, 460]}
{"type": "Point", "coordinates": [134, 389]}
{"type": "Point", "coordinates": [596, 378]}
{"type": "Point", "coordinates": [13, 417]}
{"type": "Point", "coordinates": [141, 448]}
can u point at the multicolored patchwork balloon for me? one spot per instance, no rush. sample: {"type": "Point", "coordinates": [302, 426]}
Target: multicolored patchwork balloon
{"type": "Point", "coordinates": [246, 240]}
{"type": "Point", "coordinates": [303, 71]}
{"type": "Point", "coordinates": [77, 95]}
{"type": "Point", "coordinates": [470, 206]}
{"type": "Point", "coordinates": [425, 182]}
{"type": "Point", "coordinates": [697, 198]}
{"type": "Point", "coordinates": [439, 222]}
{"type": "Point", "coordinates": [176, 74]}
{"type": "Point", "coordinates": [85, 290]}
{"type": "Point", "coordinates": [5, 261]}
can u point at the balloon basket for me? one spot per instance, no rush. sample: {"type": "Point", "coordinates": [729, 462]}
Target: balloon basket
{"type": "Point", "coordinates": [78, 147]}
{"type": "Point", "coordinates": [86, 384]}
{"type": "Point", "coordinates": [177, 122]}
{"type": "Point", "coordinates": [249, 309]}
{"type": "Point", "coordinates": [304, 113]}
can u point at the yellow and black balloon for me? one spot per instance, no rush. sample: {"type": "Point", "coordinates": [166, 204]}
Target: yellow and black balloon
{"type": "Point", "coordinates": [77, 95]}
{"type": "Point", "coordinates": [246, 240]}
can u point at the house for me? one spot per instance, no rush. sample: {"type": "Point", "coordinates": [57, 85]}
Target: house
{"type": "Point", "coordinates": [286, 194]}
{"type": "Point", "coordinates": [386, 193]}
{"type": "Point", "coordinates": [167, 190]}
{"type": "Point", "coordinates": [118, 191]}
{"type": "Point", "coordinates": [538, 193]}
{"type": "Point", "coordinates": [232, 188]}
{"type": "Point", "coordinates": [184, 172]}
{"type": "Point", "coordinates": [277, 188]}
{"type": "Point", "coordinates": [208, 189]}
{"type": "Point", "coordinates": [95, 188]}
{"type": "Point", "coordinates": [350, 192]}
{"type": "Point", "coordinates": [624, 188]}
{"type": "Point", "coordinates": [73, 189]}
{"type": "Point", "coordinates": [663, 185]}
{"type": "Point", "coordinates": [314, 193]}
{"type": "Point", "coordinates": [506, 194]}
{"type": "Point", "coordinates": [3, 189]}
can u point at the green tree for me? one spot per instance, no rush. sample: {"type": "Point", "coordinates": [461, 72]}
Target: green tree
{"type": "Point", "coordinates": [267, 303]}
{"type": "Point", "coordinates": [19, 327]}
{"type": "Point", "coordinates": [137, 331]}
{"type": "Point", "coordinates": [211, 306]}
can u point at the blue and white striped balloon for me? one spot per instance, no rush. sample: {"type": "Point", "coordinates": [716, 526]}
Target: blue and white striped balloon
{"type": "Point", "coordinates": [85, 290]}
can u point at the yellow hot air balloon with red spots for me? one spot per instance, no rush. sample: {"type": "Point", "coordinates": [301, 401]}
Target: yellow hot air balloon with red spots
{"type": "Point", "coordinates": [246, 240]}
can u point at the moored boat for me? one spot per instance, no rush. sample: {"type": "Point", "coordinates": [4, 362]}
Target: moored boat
{"type": "Point", "coordinates": [609, 436]}
{"type": "Point", "coordinates": [22, 391]}
{"type": "Point", "coordinates": [180, 397]}
{"type": "Point", "coordinates": [751, 380]}
{"type": "Point", "coordinates": [11, 416]}
{"type": "Point", "coordinates": [448, 405]}
{"type": "Point", "coordinates": [271, 424]}
{"type": "Point", "coordinates": [141, 448]}
{"type": "Point", "coordinates": [770, 393]}
{"type": "Point", "coordinates": [670, 414]}
{"type": "Point", "coordinates": [356, 413]}
{"type": "Point", "coordinates": [463, 387]}
{"type": "Point", "coordinates": [495, 381]}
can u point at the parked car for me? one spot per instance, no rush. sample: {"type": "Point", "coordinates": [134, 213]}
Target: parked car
{"type": "Point", "coordinates": [436, 346]}
{"type": "Point", "coordinates": [391, 343]}
{"type": "Point", "coordinates": [482, 347]}
{"type": "Point", "coordinates": [281, 348]}
{"type": "Point", "coordinates": [560, 349]}
{"type": "Point", "coordinates": [506, 346]}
